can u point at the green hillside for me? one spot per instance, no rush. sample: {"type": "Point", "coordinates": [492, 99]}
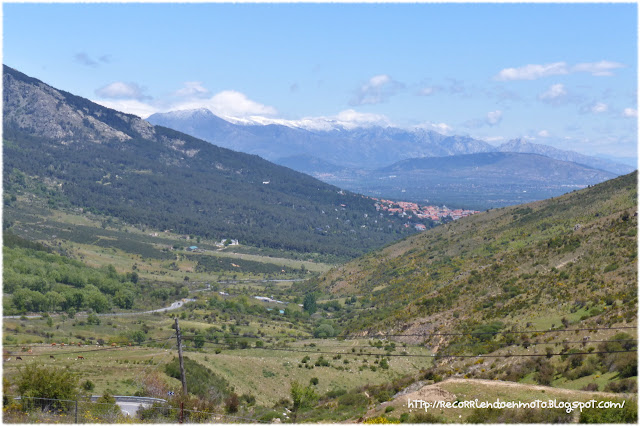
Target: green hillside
{"type": "Point", "coordinates": [571, 259]}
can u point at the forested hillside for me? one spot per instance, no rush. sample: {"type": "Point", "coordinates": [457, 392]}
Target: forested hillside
{"type": "Point", "coordinates": [82, 155]}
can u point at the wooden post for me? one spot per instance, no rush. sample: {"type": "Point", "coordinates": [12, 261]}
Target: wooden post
{"type": "Point", "coordinates": [182, 375]}
{"type": "Point", "coordinates": [76, 411]}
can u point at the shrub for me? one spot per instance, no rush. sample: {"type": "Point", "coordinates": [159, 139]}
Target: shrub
{"type": "Point", "coordinates": [324, 331]}
{"type": "Point", "coordinates": [627, 414]}
{"type": "Point", "coordinates": [88, 385]}
{"type": "Point", "coordinates": [232, 403]}
{"type": "Point", "coordinates": [335, 393]}
{"type": "Point", "coordinates": [426, 418]}
{"type": "Point", "coordinates": [353, 399]}
{"type": "Point", "coordinates": [201, 381]}
{"type": "Point", "coordinates": [622, 386]}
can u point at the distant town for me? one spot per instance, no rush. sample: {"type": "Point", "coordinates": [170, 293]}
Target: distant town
{"type": "Point", "coordinates": [416, 211]}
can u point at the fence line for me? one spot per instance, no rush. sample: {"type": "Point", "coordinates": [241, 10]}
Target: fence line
{"type": "Point", "coordinates": [83, 410]}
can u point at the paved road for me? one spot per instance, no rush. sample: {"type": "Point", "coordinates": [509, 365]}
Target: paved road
{"type": "Point", "coordinates": [131, 404]}
{"type": "Point", "coordinates": [174, 305]}
{"type": "Point", "coordinates": [131, 408]}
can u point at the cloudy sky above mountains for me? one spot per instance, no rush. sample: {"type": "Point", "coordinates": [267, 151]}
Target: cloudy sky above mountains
{"type": "Point", "coordinates": [560, 74]}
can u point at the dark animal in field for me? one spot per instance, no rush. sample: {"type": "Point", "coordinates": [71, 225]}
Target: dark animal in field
{"type": "Point", "coordinates": [80, 357]}
{"type": "Point", "coordinates": [52, 357]}
{"type": "Point", "coordinates": [20, 358]}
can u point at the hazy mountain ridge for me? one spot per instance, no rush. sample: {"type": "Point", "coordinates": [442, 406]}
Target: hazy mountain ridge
{"type": "Point", "coordinates": [520, 145]}
{"type": "Point", "coordinates": [497, 166]}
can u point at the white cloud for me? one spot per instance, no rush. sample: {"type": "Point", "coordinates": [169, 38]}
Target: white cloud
{"type": "Point", "coordinates": [630, 112]}
{"type": "Point", "coordinates": [427, 91]}
{"type": "Point", "coordinates": [191, 89]}
{"type": "Point", "coordinates": [378, 89]}
{"type": "Point", "coordinates": [228, 104]}
{"type": "Point", "coordinates": [554, 95]}
{"type": "Point", "coordinates": [129, 106]}
{"type": "Point", "coordinates": [536, 71]}
{"type": "Point", "coordinates": [599, 108]}
{"type": "Point", "coordinates": [532, 71]}
{"type": "Point", "coordinates": [543, 134]}
{"type": "Point", "coordinates": [121, 90]}
{"type": "Point", "coordinates": [598, 69]}
{"type": "Point", "coordinates": [494, 117]}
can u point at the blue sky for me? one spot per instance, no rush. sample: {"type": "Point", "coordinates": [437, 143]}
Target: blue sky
{"type": "Point", "coordinates": [559, 74]}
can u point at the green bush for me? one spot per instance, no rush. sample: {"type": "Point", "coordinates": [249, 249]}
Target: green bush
{"type": "Point", "coordinates": [47, 382]}
{"type": "Point", "coordinates": [353, 399]}
{"type": "Point", "coordinates": [201, 381]}
{"type": "Point", "coordinates": [88, 385]}
{"type": "Point", "coordinates": [627, 414]}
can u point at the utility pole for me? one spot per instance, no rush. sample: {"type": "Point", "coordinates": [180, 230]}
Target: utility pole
{"type": "Point", "coordinates": [182, 375]}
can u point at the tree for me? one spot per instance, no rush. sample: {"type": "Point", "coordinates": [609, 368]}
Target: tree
{"type": "Point", "coordinates": [198, 341]}
{"type": "Point", "coordinates": [309, 303]}
{"type": "Point", "coordinates": [124, 299]}
{"type": "Point", "coordinates": [324, 331]}
{"type": "Point", "coordinates": [93, 319]}
{"type": "Point", "coordinates": [302, 397]}
{"type": "Point", "coordinates": [138, 336]}
{"type": "Point", "coordinates": [49, 383]}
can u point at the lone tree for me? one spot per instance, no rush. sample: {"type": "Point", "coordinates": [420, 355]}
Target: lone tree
{"type": "Point", "coordinates": [309, 303]}
{"type": "Point", "coordinates": [302, 397]}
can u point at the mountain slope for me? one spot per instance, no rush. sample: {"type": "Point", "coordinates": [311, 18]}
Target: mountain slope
{"type": "Point", "coordinates": [567, 261]}
{"type": "Point", "coordinates": [85, 155]}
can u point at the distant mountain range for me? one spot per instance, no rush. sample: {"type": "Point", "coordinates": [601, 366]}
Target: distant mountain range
{"type": "Point", "coordinates": [414, 165]}
{"type": "Point", "coordinates": [370, 147]}
{"type": "Point", "coordinates": [75, 153]}
{"type": "Point", "coordinates": [360, 148]}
